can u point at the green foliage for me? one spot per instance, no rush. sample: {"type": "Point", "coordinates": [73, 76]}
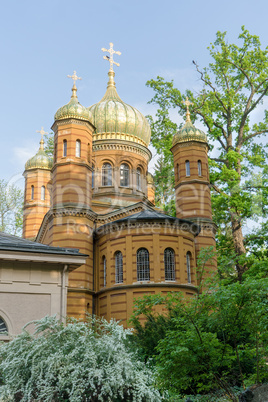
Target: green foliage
{"type": "Point", "coordinates": [11, 208]}
{"type": "Point", "coordinates": [49, 144]}
{"type": "Point", "coordinates": [215, 340]}
{"type": "Point", "coordinates": [81, 361]}
{"type": "Point", "coordinates": [234, 85]}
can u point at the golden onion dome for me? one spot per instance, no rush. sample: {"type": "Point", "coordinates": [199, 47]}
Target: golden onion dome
{"type": "Point", "coordinates": [189, 132]}
{"type": "Point", "coordinates": [73, 109]}
{"type": "Point", "coordinates": [39, 161]}
{"type": "Point", "coordinates": [150, 178]}
{"type": "Point", "coordinates": [114, 119]}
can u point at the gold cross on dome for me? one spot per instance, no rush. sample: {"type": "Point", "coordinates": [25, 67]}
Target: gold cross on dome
{"type": "Point", "coordinates": [111, 57]}
{"type": "Point", "coordinates": [74, 77]}
{"type": "Point", "coordinates": [187, 104]}
{"type": "Point", "coordinates": [42, 132]}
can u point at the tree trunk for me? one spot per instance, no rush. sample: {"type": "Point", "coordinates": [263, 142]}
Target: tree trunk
{"type": "Point", "coordinates": [239, 247]}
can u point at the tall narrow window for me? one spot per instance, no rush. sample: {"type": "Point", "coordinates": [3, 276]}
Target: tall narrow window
{"type": "Point", "coordinates": [187, 167]}
{"type": "Point", "coordinates": [178, 171]}
{"type": "Point", "coordinates": [143, 265]}
{"type": "Point", "coordinates": [106, 174]}
{"type": "Point", "coordinates": [118, 267]}
{"type": "Point", "coordinates": [43, 193]}
{"type": "Point", "coordinates": [64, 148]}
{"type": "Point", "coordinates": [32, 192]}
{"type": "Point", "coordinates": [169, 260]}
{"type": "Point", "coordinates": [199, 164]}
{"type": "Point", "coordinates": [104, 271]}
{"type": "Point", "coordinates": [188, 266]}
{"type": "Point", "coordinates": [78, 149]}
{"type": "Point", "coordinates": [3, 327]}
{"type": "Point", "coordinates": [138, 179]}
{"type": "Point", "coordinates": [124, 175]}
{"type": "Point", "coordinates": [93, 176]}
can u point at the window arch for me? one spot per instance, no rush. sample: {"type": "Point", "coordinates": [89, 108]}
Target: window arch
{"type": "Point", "coordinates": [32, 192]}
{"type": "Point", "coordinates": [143, 265]}
{"type": "Point", "coordinates": [43, 193]}
{"type": "Point", "coordinates": [104, 271]}
{"type": "Point", "coordinates": [118, 267]}
{"type": "Point", "coordinates": [106, 174]}
{"type": "Point", "coordinates": [124, 175]}
{"type": "Point", "coordinates": [3, 327]}
{"type": "Point", "coordinates": [64, 153]}
{"type": "Point", "coordinates": [187, 168]}
{"type": "Point", "coordinates": [138, 178]}
{"type": "Point", "coordinates": [78, 148]}
{"type": "Point", "coordinates": [169, 261]}
{"type": "Point", "coordinates": [199, 164]}
{"type": "Point", "coordinates": [188, 266]}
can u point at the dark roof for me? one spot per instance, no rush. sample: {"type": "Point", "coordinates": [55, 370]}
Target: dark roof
{"type": "Point", "coordinates": [15, 243]}
{"type": "Point", "coordinates": [151, 215]}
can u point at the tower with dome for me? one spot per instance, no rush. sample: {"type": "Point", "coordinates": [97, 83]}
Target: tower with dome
{"type": "Point", "coordinates": [98, 196]}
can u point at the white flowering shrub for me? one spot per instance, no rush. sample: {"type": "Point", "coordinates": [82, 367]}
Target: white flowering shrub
{"type": "Point", "coordinates": [76, 362]}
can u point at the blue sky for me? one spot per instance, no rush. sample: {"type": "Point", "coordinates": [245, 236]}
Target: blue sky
{"type": "Point", "coordinates": [41, 42]}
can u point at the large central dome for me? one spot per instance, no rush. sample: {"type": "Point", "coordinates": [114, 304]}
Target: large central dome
{"type": "Point", "coordinates": [115, 119]}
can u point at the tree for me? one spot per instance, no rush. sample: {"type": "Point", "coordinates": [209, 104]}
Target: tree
{"type": "Point", "coordinates": [81, 361]}
{"type": "Point", "coordinates": [234, 86]}
{"type": "Point", "coordinates": [215, 340]}
{"type": "Point", "coordinates": [11, 205]}
{"type": "Point", "coordinates": [49, 144]}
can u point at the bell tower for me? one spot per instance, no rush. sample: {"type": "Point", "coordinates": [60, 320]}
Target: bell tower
{"type": "Point", "coordinates": [37, 190]}
{"type": "Point", "coordinates": [71, 219]}
{"type": "Point", "coordinates": [192, 191]}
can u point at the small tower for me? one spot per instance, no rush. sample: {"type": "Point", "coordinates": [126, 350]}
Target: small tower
{"type": "Point", "coordinates": [71, 221]}
{"type": "Point", "coordinates": [37, 190]}
{"type": "Point", "coordinates": [192, 190]}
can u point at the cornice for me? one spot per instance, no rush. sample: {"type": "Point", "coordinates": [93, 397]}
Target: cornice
{"type": "Point", "coordinates": [71, 162]}
{"type": "Point", "coordinates": [148, 285]}
{"type": "Point", "coordinates": [121, 145]}
{"type": "Point", "coordinates": [63, 122]}
{"type": "Point", "coordinates": [189, 143]}
{"type": "Point", "coordinates": [192, 181]}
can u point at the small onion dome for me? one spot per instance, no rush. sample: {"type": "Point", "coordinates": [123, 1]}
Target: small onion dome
{"type": "Point", "coordinates": [40, 161]}
{"type": "Point", "coordinates": [150, 178]}
{"type": "Point", "coordinates": [189, 132]}
{"type": "Point", "coordinates": [73, 109]}
{"type": "Point", "coordinates": [115, 119]}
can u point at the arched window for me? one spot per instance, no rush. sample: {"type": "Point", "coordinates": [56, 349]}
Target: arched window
{"type": "Point", "coordinates": [188, 266]}
{"type": "Point", "coordinates": [93, 176]}
{"type": "Point", "coordinates": [169, 260]}
{"type": "Point", "coordinates": [43, 193]}
{"type": "Point", "coordinates": [178, 171]}
{"type": "Point", "coordinates": [138, 178]}
{"type": "Point", "coordinates": [104, 271]}
{"type": "Point", "coordinates": [32, 192]}
{"type": "Point", "coordinates": [118, 267]}
{"type": "Point", "coordinates": [64, 148]}
{"type": "Point", "coordinates": [124, 175]}
{"type": "Point", "coordinates": [106, 174]}
{"type": "Point", "coordinates": [3, 327]}
{"type": "Point", "coordinates": [78, 149]}
{"type": "Point", "coordinates": [187, 168]}
{"type": "Point", "coordinates": [199, 164]}
{"type": "Point", "coordinates": [143, 265]}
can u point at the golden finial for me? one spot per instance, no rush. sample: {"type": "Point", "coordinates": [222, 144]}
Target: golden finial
{"type": "Point", "coordinates": [111, 57]}
{"type": "Point", "coordinates": [74, 77]}
{"type": "Point", "coordinates": [187, 103]}
{"type": "Point", "coordinates": [42, 132]}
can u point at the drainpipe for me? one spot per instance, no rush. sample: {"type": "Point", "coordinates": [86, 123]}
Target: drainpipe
{"type": "Point", "coordinates": [63, 300]}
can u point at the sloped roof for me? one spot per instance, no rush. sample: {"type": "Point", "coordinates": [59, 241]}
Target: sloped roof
{"type": "Point", "coordinates": [14, 243]}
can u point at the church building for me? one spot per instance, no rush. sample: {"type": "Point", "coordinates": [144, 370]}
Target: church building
{"type": "Point", "coordinates": [96, 195]}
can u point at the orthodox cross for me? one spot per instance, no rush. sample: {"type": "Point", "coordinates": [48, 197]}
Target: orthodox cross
{"type": "Point", "coordinates": [74, 77]}
{"type": "Point", "coordinates": [111, 58]}
{"type": "Point", "coordinates": [42, 132]}
{"type": "Point", "coordinates": [187, 104]}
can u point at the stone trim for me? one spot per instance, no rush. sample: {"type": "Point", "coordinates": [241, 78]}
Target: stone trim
{"type": "Point", "coordinates": [100, 145]}
{"type": "Point", "coordinates": [148, 285]}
